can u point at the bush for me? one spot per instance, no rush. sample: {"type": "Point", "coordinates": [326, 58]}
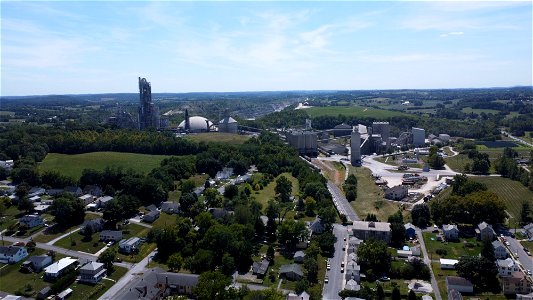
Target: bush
{"type": "Point", "coordinates": [442, 252]}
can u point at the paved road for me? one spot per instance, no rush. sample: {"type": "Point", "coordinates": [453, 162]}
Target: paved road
{"type": "Point", "coordinates": [341, 203]}
{"type": "Point", "coordinates": [517, 139]}
{"type": "Point", "coordinates": [516, 247]}
{"type": "Point", "coordinates": [427, 261]}
{"type": "Point", "coordinates": [336, 280]}
{"type": "Point", "coordinates": [127, 281]}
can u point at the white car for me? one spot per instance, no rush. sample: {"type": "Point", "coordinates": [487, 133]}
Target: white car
{"type": "Point", "coordinates": [328, 267]}
{"type": "Point", "coordinates": [110, 244]}
{"type": "Point", "coordinates": [528, 272]}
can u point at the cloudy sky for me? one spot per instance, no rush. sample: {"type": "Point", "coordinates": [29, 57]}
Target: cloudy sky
{"type": "Point", "coordinates": [99, 47]}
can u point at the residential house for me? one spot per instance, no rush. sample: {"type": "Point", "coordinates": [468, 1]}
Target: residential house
{"type": "Point", "coordinates": [45, 292]}
{"type": "Point", "coordinates": [34, 199]}
{"type": "Point", "coordinates": [92, 272]}
{"type": "Point", "coordinates": [151, 207]}
{"type": "Point", "coordinates": [87, 199]}
{"type": "Point", "coordinates": [93, 190]}
{"type": "Point", "coordinates": [517, 283]}
{"type": "Point", "coordinates": [377, 230]}
{"type": "Point", "coordinates": [31, 221]}
{"type": "Point", "coordinates": [396, 192]}
{"type": "Point", "coordinates": [506, 267]}
{"type": "Point", "coordinates": [64, 294]}
{"type": "Point", "coordinates": [451, 232]}
{"type": "Point", "coordinates": [74, 190]}
{"type": "Point", "coordinates": [484, 231]}
{"type": "Point", "coordinates": [95, 225]}
{"type": "Point", "coordinates": [524, 296]}
{"type": "Point", "coordinates": [454, 295]}
{"type": "Point", "coordinates": [40, 208]}
{"type": "Point", "coordinates": [353, 244]}
{"type": "Point", "coordinates": [459, 284]}
{"type": "Point", "coordinates": [220, 213]}
{"type": "Point", "coordinates": [352, 257]}
{"type": "Point", "coordinates": [130, 245]}
{"type": "Point", "coordinates": [259, 268]}
{"type": "Point", "coordinates": [448, 264]}
{"type": "Point", "coordinates": [317, 227]}
{"type": "Point", "coordinates": [55, 192]}
{"type": "Point", "coordinates": [528, 230]}
{"type": "Point", "coordinates": [59, 268]}
{"type": "Point", "coordinates": [499, 250]}
{"type": "Point", "coordinates": [37, 263]}
{"type": "Point", "coordinates": [410, 230]}
{"type": "Point", "coordinates": [158, 284]}
{"type": "Point", "coordinates": [111, 235]}
{"type": "Point", "coordinates": [170, 207]}
{"type": "Point", "coordinates": [291, 272]}
{"type": "Point", "coordinates": [102, 201]}
{"type": "Point", "coordinates": [352, 285]}
{"type": "Point", "coordinates": [36, 191]}
{"type": "Point", "coordinates": [7, 164]}
{"type": "Point", "coordinates": [12, 254]}
{"type": "Point", "coordinates": [352, 271]}
{"type": "Point", "coordinates": [299, 257]}
{"type": "Point", "coordinates": [303, 296]}
{"type": "Point", "coordinates": [151, 216]}
{"type": "Point", "coordinates": [415, 250]}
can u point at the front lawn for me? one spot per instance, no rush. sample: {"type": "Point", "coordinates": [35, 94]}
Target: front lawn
{"type": "Point", "coordinates": [56, 231]}
{"type": "Point", "coordinates": [87, 291]}
{"type": "Point", "coordinates": [466, 246]}
{"type": "Point", "coordinates": [13, 281]}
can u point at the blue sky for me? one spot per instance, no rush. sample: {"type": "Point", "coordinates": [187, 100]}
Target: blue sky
{"type": "Point", "coordinates": [99, 47]}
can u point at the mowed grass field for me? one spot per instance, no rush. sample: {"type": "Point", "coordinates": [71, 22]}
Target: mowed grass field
{"type": "Point", "coordinates": [370, 197]}
{"type": "Point", "coordinates": [513, 193]}
{"type": "Point", "coordinates": [354, 111]}
{"type": "Point", "coordinates": [219, 137]}
{"type": "Point", "coordinates": [73, 165]}
{"type": "Point", "coordinates": [268, 192]}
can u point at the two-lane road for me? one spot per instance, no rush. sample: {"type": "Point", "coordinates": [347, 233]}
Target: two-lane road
{"type": "Point", "coordinates": [334, 286]}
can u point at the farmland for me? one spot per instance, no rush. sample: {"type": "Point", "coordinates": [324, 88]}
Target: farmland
{"type": "Point", "coordinates": [513, 193]}
{"type": "Point", "coordinates": [73, 165]}
{"type": "Point", "coordinates": [354, 111]}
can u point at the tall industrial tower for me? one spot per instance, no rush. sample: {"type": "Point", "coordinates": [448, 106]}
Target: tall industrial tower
{"type": "Point", "coordinates": [355, 147]}
{"type": "Point", "coordinates": [148, 112]}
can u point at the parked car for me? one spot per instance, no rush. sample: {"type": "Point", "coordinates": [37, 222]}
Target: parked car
{"type": "Point", "coordinates": [326, 280]}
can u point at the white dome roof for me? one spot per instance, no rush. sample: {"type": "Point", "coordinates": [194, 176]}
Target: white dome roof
{"type": "Point", "coordinates": [197, 123]}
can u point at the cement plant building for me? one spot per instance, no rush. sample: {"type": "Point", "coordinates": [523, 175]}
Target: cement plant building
{"type": "Point", "coordinates": [148, 112]}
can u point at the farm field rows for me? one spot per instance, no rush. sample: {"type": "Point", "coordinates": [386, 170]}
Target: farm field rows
{"type": "Point", "coordinates": [513, 193]}
{"type": "Point", "coordinates": [358, 111]}
{"type": "Point", "coordinates": [73, 165]}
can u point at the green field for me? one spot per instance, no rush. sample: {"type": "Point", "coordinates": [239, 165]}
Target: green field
{"type": "Point", "coordinates": [267, 193]}
{"type": "Point", "coordinates": [73, 165]}
{"type": "Point", "coordinates": [219, 137]}
{"type": "Point", "coordinates": [370, 197]}
{"type": "Point", "coordinates": [354, 111]}
{"type": "Point", "coordinates": [468, 110]}
{"type": "Point", "coordinates": [458, 162]}
{"type": "Point", "coordinates": [513, 193]}
{"type": "Point", "coordinates": [454, 249]}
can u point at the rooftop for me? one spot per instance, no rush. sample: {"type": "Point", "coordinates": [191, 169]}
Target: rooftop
{"type": "Point", "coordinates": [374, 226]}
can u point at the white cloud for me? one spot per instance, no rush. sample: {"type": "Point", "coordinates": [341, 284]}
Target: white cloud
{"type": "Point", "coordinates": [452, 33]}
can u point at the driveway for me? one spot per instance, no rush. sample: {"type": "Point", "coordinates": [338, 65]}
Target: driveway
{"type": "Point", "coordinates": [427, 261]}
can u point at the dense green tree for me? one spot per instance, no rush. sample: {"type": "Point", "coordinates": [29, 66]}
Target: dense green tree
{"type": "Point", "coordinates": [374, 258]}
{"type": "Point", "coordinates": [420, 215]}
{"type": "Point", "coordinates": [68, 210]}
{"type": "Point", "coordinates": [411, 295]}
{"type": "Point", "coordinates": [25, 204]}
{"type": "Point", "coordinates": [487, 250]}
{"type": "Point", "coordinates": [435, 161]}
{"type": "Point", "coordinates": [380, 293]}
{"type": "Point", "coordinates": [311, 269]}
{"type": "Point", "coordinates": [231, 191]}
{"type": "Point", "coordinates": [107, 258]}
{"type": "Point", "coordinates": [212, 286]}
{"type": "Point", "coordinates": [283, 188]}
{"type": "Point", "coordinates": [327, 241]}
{"type": "Point", "coordinates": [396, 294]}
{"type": "Point", "coordinates": [480, 271]}
{"type": "Point", "coordinates": [175, 262]}
{"type": "Point", "coordinates": [397, 234]}
{"type": "Point", "coordinates": [462, 185]}
{"type": "Point", "coordinates": [525, 213]}
{"type": "Point", "coordinates": [291, 232]}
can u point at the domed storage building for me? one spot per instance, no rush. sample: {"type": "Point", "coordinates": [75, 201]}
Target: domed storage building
{"type": "Point", "coordinates": [228, 124]}
{"type": "Point", "coordinates": [196, 124]}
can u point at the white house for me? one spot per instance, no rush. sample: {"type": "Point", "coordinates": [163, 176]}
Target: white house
{"type": "Point", "coordinates": [448, 264]}
{"type": "Point", "coordinates": [506, 267]}
{"type": "Point", "coordinates": [396, 192]}
{"type": "Point", "coordinates": [58, 268]}
{"type": "Point", "coordinates": [37, 263]}
{"type": "Point", "coordinates": [87, 199]}
{"type": "Point", "coordinates": [130, 245]}
{"type": "Point", "coordinates": [450, 232]}
{"type": "Point", "coordinates": [92, 272]}
{"type": "Point", "coordinates": [31, 221]}
{"type": "Point", "coordinates": [12, 254]}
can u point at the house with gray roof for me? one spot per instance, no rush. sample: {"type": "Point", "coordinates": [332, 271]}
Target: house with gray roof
{"type": "Point", "coordinates": [365, 230]}
{"type": "Point", "coordinates": [410, 230]}
{"type": "Point", "coordinates": [259, 268]}
{"type": "Point", "coordinates": [291, 272]}
{"type": "Point", "coordinates": [31, 221]}
{"type": "Point", "coordinates": [158, 284]}
{"type": "Point", "coordinates": [95, 225]}
{"type": "Point", "coordinates": [451, 232]}
{"type": "Point", "coordinates": [102, 201]}
{"type": "Point", "coordinates": [130, 245]}
{"type": "Point", "coordinates": [299, 257]}
{"type": "Point", "coordinates": [170, 207]}
{"type": "Point", "coordinates": [499, 250]}
{"type": "Point", "coordinates": [92, 272]}
{"type": "Point", "coordinates": [111, 235]}
{"type": "Point", "coordinates": [12, 254]}
{"type": "Point", "coordinates": [151, 216]}
{"type": "Point", "coordinates": [38, 263]}
{"type": "Point", "coordinates": [484, 231]}
{"type": "Point", "coordinates": [317, 227]}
